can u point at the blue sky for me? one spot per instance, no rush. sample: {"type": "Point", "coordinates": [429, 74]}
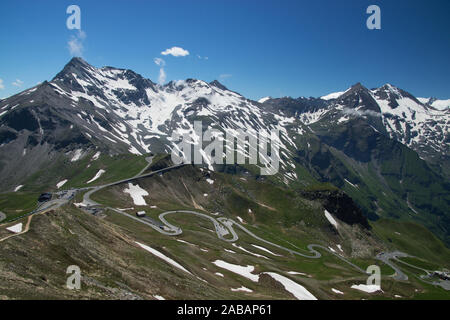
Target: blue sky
{"type": "Point", "coordinates": [258, 48]}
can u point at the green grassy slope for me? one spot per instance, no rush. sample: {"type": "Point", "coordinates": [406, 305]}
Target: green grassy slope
{"type": "Point", "coordinates": [79, 172]}
{"type": "Point", "coordinates": [389, 180]}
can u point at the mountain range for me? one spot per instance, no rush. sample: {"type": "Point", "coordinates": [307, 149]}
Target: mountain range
{"type": "Point", "coordinates": [387, 149]}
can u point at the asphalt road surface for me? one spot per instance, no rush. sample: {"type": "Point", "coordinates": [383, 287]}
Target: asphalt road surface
{"type": "Point", "coordinates": [386, 257]}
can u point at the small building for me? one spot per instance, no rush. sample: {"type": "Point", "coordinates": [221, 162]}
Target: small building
{"type": "Point", "coordinates": [442, 275]}
{"type": "Point", "coordinates": [140, 214]}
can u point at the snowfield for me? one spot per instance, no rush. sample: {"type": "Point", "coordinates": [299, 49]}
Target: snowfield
{"type": "Point", "coordinates": [76, 155]}
{"type": "Point", "coordinates": [438, 104]}
{"type": "Point", "coordinates": [331, 219]}
{"type": "Point", "coordinates": [243, 289]}
{"type": "Point", "coordinates": [336, 291]}
{"type": "Point", "coordinates": [186, 242]}
{"type": "Point", "coordinates": [163, 257]}
{"type": "Point", "coordinates": [295, 272]}
{"type": "Point", "coordinates": [354, 186]}
{"type": "Point", "coordinates": [366, 288]}
{"type": "Point", "coordinates": [441, 104]}
{"type": "Point", "coordinates": [249, 252]}
{"type": "Point", "coordinates": [296, 289]}
{"type": "Point", "coordinates": [262, 100]}
{"type": "Point", "coordinates": [61, 183]}
{"type": "Point", "coordinates": [266, 250]}
{"type": "Point", "coordinates": [246, 272]}
{"type": "Point", "coordinates": [333, 95]}
{"type": "Point", "coordinates": [17, 228]}
{"type": "Point", "coordinates": [97, 175]}
{"type": "Point", "coordinates": [96, 156]}
{"type": "Point", "coordinates": [137, 193]}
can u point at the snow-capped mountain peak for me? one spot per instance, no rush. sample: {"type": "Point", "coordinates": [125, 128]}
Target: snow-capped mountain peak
{"type": "Point", "coordinates": [118, 110]}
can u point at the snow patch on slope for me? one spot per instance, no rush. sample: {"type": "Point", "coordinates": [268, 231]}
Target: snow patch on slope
{"type": "Point", "coordinates": [77, 155]}
{"type": "Point", "coordinates": [61, 183]}
{"type": "Point", "coordinates": [163, 257]}
{"type": "Point", "coordinates": [17, 228]}
{"type": "Point", "coordinates": [97, 175]}
{"type": "Point", "coordinates": [331, 219]}
{"type": "Point", "coordinates": [137, 193]}
{"type": "Point", "coordinates": [333, 95]}
{"type": "Point", "coordinates": [245, 271]}
{"type": "Point", "coordinates": [296, 289]}
{"type": "Point", "coordinates": [371, 288]}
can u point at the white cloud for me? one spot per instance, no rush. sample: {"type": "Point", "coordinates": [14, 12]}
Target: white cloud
{"type": "Point", "coordinates": [17, 83]}
{"type": "Point", "coordinates": [75, 44]}
{"type": "Point", "coordinates": [159, 62]}
{"type": "Point", "coordinates": [176, 52]}
{"type": "Point", "coordinates": [162, 76]}
{"type": "Point", "coordinates": [75, 47]}
{"type": "Point", "coordinates": [200, 57]}
{"type": "Point", "coordinates": [82, 35]}
{"type": "Point", "coordinates": [1, 84]}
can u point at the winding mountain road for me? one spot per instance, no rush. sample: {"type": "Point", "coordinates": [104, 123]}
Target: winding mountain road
{"type": "Point", "coordinates": [386, 257]}
{"type": "Point", "coordinates": [221, 231]}
{"type": "Point", "coordinates": [223, 226]}
{"type": "Point", "coordinates": [229, 223]}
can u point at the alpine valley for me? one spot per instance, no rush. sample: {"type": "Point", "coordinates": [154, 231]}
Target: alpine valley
{"type": "Point", "coordinates": [363, 180]}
